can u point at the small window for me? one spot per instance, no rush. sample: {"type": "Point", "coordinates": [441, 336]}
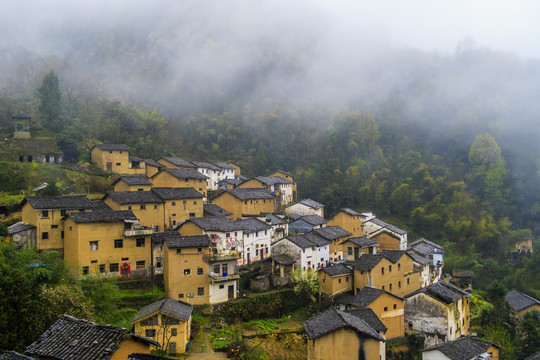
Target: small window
{"type": "Point", "coordinates": [102, 268]}
{"type": "Point", "coordinates": [346, 279]}
{"type": "Point", "coordinates": [155, 207]}
{"type": "Point", "coordinates": [399, 266]}
{"type": "Point", "coordinates": [339, 281]}
{"type": "Point", "coordinates": [93, 262]}
{"type": "Point", "coordinates": [173, 214]}
{"type": "Point", "coordinates": [178, 251]}
{"type": "Point", "coordinates": [408, 281]}
{"type": "Point", "coordinates": [199, 250]}
{"type": "Point", "coordinates": [184, 202]}
{"type": "Point", "coordinates": [195, 202]}
{"type": "Point", "coordinates": [180, 296]}
{"type": "Point", "coordinates": [173, 203]}
{"type": "Point", "coordinates": [227, 234]}
{"type": "Point", "coordinates": [222, 286]}
{"type": "Point", "coordinates": [399, 284]}
{"type": "Point", "coordinates": [54, 226]}
{"type": "Point", "coordinates": [129, 207]}
{"type": "Point", "coordinates": [382, 271]}
{"type": "Point", "coordinates": [150, 333]}
{"type": "Point", "coordinates": [187, 271]}
{"type": "Point", "coordinates": [44, 236]}
{"type": "Point", "coordinates": [62, 234]}
{"type": "Point", "coordinates": [85, 270]}
{"type": "Point", "coordinates": [118, 243]}
{"type": "Point", "coordinates": [390, 286]}
{"type": "Point", "coordinates": [143, 206]}
{"type": "Point", "coordinates": [389, 268]}
{"type": "Point", "coordinates": [114, 267]}
{"type": "Point", "coordinates": [93, 245]}
{"type": "Point", "coordinates": [216, 269]}
{"type": "Point", "coordinates": [200, 291]}
{"type": "Point", "coordinates": [125, 259]}
{"type": "Point", "coordinates": [383, 287]}
{"type": "Point", "coordinates": [156, 228]}
{"type": "Point", "coordinates": [173, 332]}
{"type": "Point", "coordinates": [140, 242]}
{"type": "Point", "coordinates": [386, 308]}
{"type": "Point", "coordinates": [395, 306]}
{"type": "Point", "coordinates": [349, 251]}
{"type": "Point", "coordinates": [200, 271]}
{"type": "Point", "coordinates": [45, 213]}
{"type": "Point", "coordinates": [118, 164]}
{"type": "Point", "coordinates": [141, 264]}
{"type": "Point", "coordinates": [62, 212]}
{"type": "Point", "coordinates": [191, 215]}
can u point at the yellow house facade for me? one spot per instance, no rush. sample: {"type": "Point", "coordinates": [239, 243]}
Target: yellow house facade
{"type": "Point", "coordinates": [179, 204]}
{"type": "Point", "coordinates": [146, 205]}
{"type": "Point", "coordinates": [242, 202]}
{"type": "Point", "coordinates": [352, 248]}
{"type": "Point", "coordinates": [106, 243]}
{"type": "Point", "coordinates": [180, 178]}
{"type": "Point", "coordinates": [196, 275]}
{"type": "Point", "coordinates": [111, 158]}
{"type": "Point", "coordinates": [334, 334]}
{"type": "Point", "coordinates": [392, 271]}
{"type": "Point", "coordinates": [335, 235]}
{"type": "Point", "coordinates": [166, 321]}
{"type": "Point", "coordinates": [387, 240]}
{"type": "Point", "coordinates": [47, 212]}
{"type": "Point", "coordinates": [152, 167]}
{"type": "Point", "coordinates": [349, 220]}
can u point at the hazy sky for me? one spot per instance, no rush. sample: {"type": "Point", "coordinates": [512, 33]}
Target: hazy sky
{"type": "Point", "coordinates": [426, 24]}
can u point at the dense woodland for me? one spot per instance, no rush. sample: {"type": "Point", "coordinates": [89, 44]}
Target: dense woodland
{"type": "Point", "coordinates": [447, 152]}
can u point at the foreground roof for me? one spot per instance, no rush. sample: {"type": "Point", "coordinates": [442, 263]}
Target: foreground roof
{"type": "Point", "coordinates": [332, 319]}
{"type": "Point", "coordinates": [18, 227]}
{"type": "Point", "coordinates": [465, 348]}
{"type": "Point", "coordinates": [312, 219]}
{"type": "Point", "coordinates": [167, 306]}
{"type": "Point", "coordinates": [443, 292]}
{"type": "Point", "coordinates": [133, 197]}
{"type": "Point", "coordinates": [107, 216]}
{"type": "Point", "coordinates": [367, 295]}
{"type": "Point", "coordinates": [519, 301]}
{"type": "Point", "coordinates": [250, 225]}
{"type": "Point", "coordinates": [76, 339]}
{"type": "Point", "coordinates": [367, 261]}
{"type": "Point", "coordinates": [369, 316]}
{"type": "Point", "coordinates": [12, 355]}
{"type": "Point", "coordinates": [59, 202]}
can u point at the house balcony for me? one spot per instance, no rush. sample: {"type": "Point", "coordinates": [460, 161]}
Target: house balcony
{"type": "Point", "coordinates": [138, 231]}
{"type": "Point", "coordinates": [223, 257]}
{"type": "Point", "coordinates": [216, 278]}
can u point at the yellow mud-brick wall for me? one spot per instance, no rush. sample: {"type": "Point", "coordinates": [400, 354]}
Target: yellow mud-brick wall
{"type": "Point", "coordinates": [344, 344]}
{"type": "Point", "coordinates": [150, 215]}
{"type": "Point", "coordinates": [119, 160]}
{"type": "Point", "coordinates": [164, 179]}
{"type": "Point", "coordinates": [180, 209]}
{"type": "Point", "coordinates": [335, 284]}
{"type": "Point", "coordinates": [183, 331]}
{"type": "Point", "coordinates": [352, 224]}
{"type": "Point", "coordinates": [391, 311]}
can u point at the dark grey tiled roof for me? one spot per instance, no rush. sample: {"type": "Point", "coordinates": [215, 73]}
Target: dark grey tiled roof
{"type": "Point", "coordinates": [135, 158]}
{"type": "Point", "coordinates": [133, 197]}
{"type": "Point", "coordinates": [133, 180]}
{"type": "Point", "coordinates": [215, 210]}
{"type": "Point", "coordinates": [274, 220]}
{"type": "Point", "coordinates": [332, 319]}
{"type": "Point", "coordinates": [312, 219]}
{"type": "Point", "coordinates": [178, 162]}
{"type": "Point", "coordinates": [167, 306]}
{"type": "Point", "coordinates": [224, 165]}
{"type": "Point", "coordinates": [346, 211]}
{"type": "Point", "coordinates": [18, 227]}
{"type": "Point", "coordinates": [369, 316]}
{"type": "Point", "coordinates": [361, 241]}
{"type": "Point", "coordinates": [103, 216]}
{"type": "Point", "coordinates": [535, 356]}
{"type": "Point", "coordinates": [390, 227]}
{"type": "Point", "coordinates": [270, 180]}
{"type": "Point", "coordinates": [283, 259]}
{"type": "Point", "coordinates": [367, 261]}
{"type": "Point", "coordinates": [100, 205]}
{"type": "Point", "coordinates": [300, 240]}
{"type": "Point", "coordinates": [367, 295]}
{"type": "Point", "coordinates": [234, 182]}
{"type": "Point", "coordinates": [143, 356]}
{"type": "Point", "coordinates": [153, 163]}
{"type": "Point", "coordinates": [519, 301]}
{"type": "Point", "coordinates": [215, 223]}
{"type": "Point", "coordinates": [179, 241]}
{"type": "Point", "coordinates": [317, 240]}
{"type": "Point", "coordinates": [443, 292]}
{"type": "Point", "coordinates": [168, 193]}
{"type": "Point", "coordinates": [281, 171]}
{"type": "Point", "coordinates": [250, 225]}
{"type": "Point", "coordinates": [59, 202]}
{"type": "Point", "coordinates": [250, 193]}
{"type": "Point", "coordinates": [393, 255]}
{"type": "Point", "coordinates": [185, 174]}
{"type": "Point", "coordinates": [202, 164]}
{"type": "Point", "coordinates": [311, 203]}
{"type": "Point", "coordinates": [422, 249]}
{"type": "Point", "coordinates": [161, 237]}
{"type": "Point", "coordinates": [337, 269]}
{"type": "Point", "coordinates": [112, 147]}
{"type": "Point", "coordinates": [465, 348]}
{"type": "Point", "coordinates": [12, 355]}
{"type": "Point", "coordinates": [74, 339]}
{"type": "Point", "coordinates": [21, 115]}
{"type": "Point", "coordinates": [419, 259]}
{"type": "Point", "coordinates": [427, 242]}
{"type": "Point", "coordinates": [332, 232]}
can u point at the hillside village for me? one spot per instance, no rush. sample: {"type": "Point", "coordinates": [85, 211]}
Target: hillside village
{"type": "Point", "coordinates": [197, 224]}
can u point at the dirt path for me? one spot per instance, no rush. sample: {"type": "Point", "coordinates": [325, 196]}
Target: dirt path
{"type": "Point", "coordinates": [201, 349]}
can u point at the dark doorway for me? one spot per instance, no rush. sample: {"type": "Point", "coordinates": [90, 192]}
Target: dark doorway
{"type": "Point", "coordinates": [231, 292]}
